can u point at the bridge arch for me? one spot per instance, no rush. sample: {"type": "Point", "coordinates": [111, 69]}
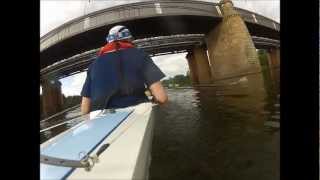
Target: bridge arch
{"type": "Point", "coordinates": [145, 19]}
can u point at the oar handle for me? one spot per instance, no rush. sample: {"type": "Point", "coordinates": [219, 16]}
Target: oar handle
{"type": "Point", "coordinates": [102, 148]}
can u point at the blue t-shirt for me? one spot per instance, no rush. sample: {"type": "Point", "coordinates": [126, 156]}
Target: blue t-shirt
{"type": "Point", "coordinates": [119, 79]}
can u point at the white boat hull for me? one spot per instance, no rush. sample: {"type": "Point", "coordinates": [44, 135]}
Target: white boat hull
{"type": "Point", "coordinates": [129, 155]}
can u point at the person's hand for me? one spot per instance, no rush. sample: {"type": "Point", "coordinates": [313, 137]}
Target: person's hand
{"type": "Point", "coordinates": [149, 95]}
{"type": "Point", "coordinates": [153, 100]}
{"type": "Point", "coordinates": [85, 105]}
{"type": "Point", "coordinates": [158, 92]}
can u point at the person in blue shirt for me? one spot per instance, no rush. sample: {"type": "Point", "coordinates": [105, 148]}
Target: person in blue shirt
{"type": "Point", "coordinates": [120, 75]}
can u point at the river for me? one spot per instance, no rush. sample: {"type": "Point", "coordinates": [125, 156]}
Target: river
{"type": "Point", "coordinates": [202, 134]}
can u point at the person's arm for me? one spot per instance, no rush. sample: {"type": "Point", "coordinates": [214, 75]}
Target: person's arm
{"type": "Point", "coordinates": [85, 105]}
{"type": "Point", "coordinates": [152, 75]}
{"type": "Point", "coordinates": [85, 93]}
{"type": "Point", "coordinates": [158, 92]}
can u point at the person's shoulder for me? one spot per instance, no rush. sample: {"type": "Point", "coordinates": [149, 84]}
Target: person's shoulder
{"type": "Point", "coordinates": [95, 61]}
{"type": "Point", "coordinates": [136, 52]}
{"type": "Point", "coordinates": [141, 52]}
{"type": "Point", "coordinates": [135, 49]}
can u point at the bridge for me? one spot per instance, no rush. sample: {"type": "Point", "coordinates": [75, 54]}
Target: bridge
{"type": "Point", "coordinates": [221, 40]}
{"type": "Point", "coordinates": [144, 19]}
{"type": "Point", "coordinates": [154, 46]}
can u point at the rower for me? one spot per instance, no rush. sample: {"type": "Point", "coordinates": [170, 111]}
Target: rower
{"type": "Point", "coordinates": [119, 76]}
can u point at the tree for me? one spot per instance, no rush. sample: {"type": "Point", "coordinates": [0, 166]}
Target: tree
{"type": "Point", "coordinates": [179, 79]}
{"type": "Point", "coordinates": [71, 101]}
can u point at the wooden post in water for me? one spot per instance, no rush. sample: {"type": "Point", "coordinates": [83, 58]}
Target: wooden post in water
{"type": "Point", "coordinates": [52, 98]}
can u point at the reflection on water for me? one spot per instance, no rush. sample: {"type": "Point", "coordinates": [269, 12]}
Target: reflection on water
{"type": "Point", "coordinates": [207, 139]}
{"type": "Point", "coordinates": [201, 134]}
{"type": "Point", "coordinates": [205, 133]}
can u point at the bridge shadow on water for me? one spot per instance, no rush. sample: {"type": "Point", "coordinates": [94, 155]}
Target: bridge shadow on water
{"type": "Point", "coordinates": [204, 133]}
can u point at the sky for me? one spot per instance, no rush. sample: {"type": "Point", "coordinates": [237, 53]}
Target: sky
{"type": "Point", "coordinates": [53, 13]}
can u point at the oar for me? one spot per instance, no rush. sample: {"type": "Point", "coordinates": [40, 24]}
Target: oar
{"type": "Point", "coordinates": [55, 115]}
{"type": "Point", "coordinates": [60, 124]}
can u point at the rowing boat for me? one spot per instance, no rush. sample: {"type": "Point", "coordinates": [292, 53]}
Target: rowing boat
{"type": "Point", "coordinates": [117, 142]}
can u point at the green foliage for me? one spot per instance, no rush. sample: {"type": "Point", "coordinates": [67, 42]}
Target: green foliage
{"type": "Point", "coordinates": [179, 80]}
{"type": "Point", "coordinates": [71, 101]}
{"type": "Point", "coordinates": [263, 58]}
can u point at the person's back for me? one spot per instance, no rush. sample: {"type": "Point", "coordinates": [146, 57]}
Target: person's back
{"type": "Point", "coordinates": [119, 77]}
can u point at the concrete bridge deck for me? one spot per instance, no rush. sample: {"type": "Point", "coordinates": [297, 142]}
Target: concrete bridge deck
{"type": "Point", "coordinates": [144, 19]}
